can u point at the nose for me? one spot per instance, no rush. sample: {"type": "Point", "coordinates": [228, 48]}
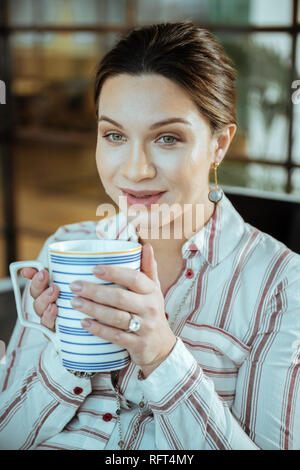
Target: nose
{"type": "Point", "coordinates": [138, 165]}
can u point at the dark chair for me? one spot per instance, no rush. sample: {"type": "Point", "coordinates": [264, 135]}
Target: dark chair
{"type": "Point", "coordinates": [277, 215]}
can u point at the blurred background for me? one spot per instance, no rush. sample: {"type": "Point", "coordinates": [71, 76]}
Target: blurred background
{"type": "Point", "coordinates": [49, 50]}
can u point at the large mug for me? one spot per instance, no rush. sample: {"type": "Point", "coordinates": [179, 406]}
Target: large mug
{"type": "Point", "coordinates": [69, 261]}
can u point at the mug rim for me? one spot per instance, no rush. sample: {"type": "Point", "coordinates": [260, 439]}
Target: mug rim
{"type": "Point", "coordinates": [55, 247]}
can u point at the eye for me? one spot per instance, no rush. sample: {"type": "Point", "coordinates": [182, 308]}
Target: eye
{"type": "Point", "coordinates": [112, 134]}
{"type": "Point", "coordinates": [168, 137]}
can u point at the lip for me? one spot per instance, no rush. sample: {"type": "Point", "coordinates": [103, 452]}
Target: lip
{"type": "Point", "coordinates": [141, 193]}
{"type": "Point", "coordinates": [146, 202]}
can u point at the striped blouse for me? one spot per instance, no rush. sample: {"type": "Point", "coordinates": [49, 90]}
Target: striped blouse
{"type": "Point", "coordinates": [231, 381]}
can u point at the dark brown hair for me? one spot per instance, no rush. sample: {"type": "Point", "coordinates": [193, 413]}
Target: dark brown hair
{"type": "Point", "coordinates": [184, 53]}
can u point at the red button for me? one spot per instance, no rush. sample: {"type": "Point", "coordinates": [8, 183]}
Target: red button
{"type": "Point", "coordinates": [193, 247]}
{"type": "Point", "coordinates": [78, 390]}
{"type": "Point", "coordinates": [189, 273]}
{"type": "Point", "coordinates": [167, 316]}
{"type": "Point", "coordinates": [107, 417]}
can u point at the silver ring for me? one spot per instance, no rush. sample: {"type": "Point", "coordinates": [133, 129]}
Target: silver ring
{"type": "Point", "coordinates": [134, 324]}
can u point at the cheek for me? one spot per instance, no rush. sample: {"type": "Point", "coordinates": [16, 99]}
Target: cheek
{"type": "Point", "coordinates": [105, 162]}
{"type": "Point", "coordinates": [193, 175]}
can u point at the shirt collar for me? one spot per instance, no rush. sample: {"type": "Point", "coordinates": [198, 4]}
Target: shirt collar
{"type": "Point", "coordinates": [214, 241]}
{"type": "Point", "coordinates": [220, 235]}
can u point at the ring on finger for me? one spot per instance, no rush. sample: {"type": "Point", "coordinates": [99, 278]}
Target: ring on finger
{"type": "Point", "coordinates": [134, 324]}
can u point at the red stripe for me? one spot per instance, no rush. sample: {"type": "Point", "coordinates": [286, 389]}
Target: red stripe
{"type": "Point", "coordinates": [235, 278]}
{"type": "Point", "coordinates": [9, 370]}
{"type": "Point", "coordinates": [253, 371]}
{"type": "Point", "coordinates": [265, 292]}
{"type": "Point", "coordinates": [232, 338]}
{"type": "Point", "coordinates": [232, 372]}
{"type": "Point", "coordinates": [201, 346]}
{"type": "Point", "coordinates": [65, 229]}
{"type": "Point", "coordinates": [212, 433]}
{"type": "Point", "coordinates": [96, 414]}
{"type": "Point", "coordinates": [145, 419]}
{"type": "Point", "coordinates": [171, 433]}
{"type": "Point", "coordinates": [125, 376]}
{"type": "Point", "coordinates": [36, 431]}
{"type": "Point", "coordinates": [186, 385]}
{"type": "Point", "coordinates": [56, 447]}
{"type": "Point", "coordinates": [88, 431]}
{"type": "Point", "coordinates": [122, 230]}
{"type": "Point", "coordinates": [183, 266]}
{"type": "Point", "coordinates": [288, 432]}
{"type": "Point", "coordinates": [128, 435]}
{"type": "Point", "coordinates": [54, 389]}
{"type": "Point", "coordinates": [20, 397]}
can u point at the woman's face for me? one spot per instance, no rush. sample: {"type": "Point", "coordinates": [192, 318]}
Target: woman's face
{"type": "Point", "coordinates": [137, 153]}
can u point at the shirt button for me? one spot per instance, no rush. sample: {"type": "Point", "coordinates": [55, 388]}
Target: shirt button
{"type": "Point", "coordinates": [141, 404]}
{"type": "Point", "coordinates": [189, 273]}
{"type": "Point", "coordinates": [78, 390]}
{"type": "Point", "coordinates": [167, 316]}
{"type": "Point", "coordinates": [107, 417]}
{"type": "Point", "coordinates": [193, 247]}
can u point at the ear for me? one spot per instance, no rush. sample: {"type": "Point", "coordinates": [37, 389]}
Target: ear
{"type": "Point", "coordinates": [222, 141]}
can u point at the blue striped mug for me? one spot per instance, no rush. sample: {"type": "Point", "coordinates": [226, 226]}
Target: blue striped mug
{"type": "Point", "coordinates": [69, 261]}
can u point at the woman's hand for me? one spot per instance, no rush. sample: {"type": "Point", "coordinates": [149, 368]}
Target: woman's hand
{"type": "Point", "coordinates": [44, 296]}
{"type": "Point", "coordinates": [110, 306]}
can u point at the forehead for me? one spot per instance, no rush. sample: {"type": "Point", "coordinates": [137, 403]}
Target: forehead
{"type": "Point", "coordinates": [150, 96]}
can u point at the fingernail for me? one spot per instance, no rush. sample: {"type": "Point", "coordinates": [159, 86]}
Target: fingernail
{"type": "Point", "coordinates": [40, 276]}
{"type": "Point", "coordinates": [99, 270]}
{"type": "Point", "coordinates": [50, 291]}
{"type": "Point", "coordinates": [86, 324]}
{"type": "Point", "coordinates": [76, 302]}
{"type": "Point", "coordinates": [76, 286]}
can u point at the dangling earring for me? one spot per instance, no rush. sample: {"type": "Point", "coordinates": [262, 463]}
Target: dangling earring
{"type": "Point", "coordinates": [215, 194]}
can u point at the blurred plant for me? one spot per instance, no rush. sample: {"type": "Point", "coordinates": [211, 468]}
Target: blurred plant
{"type": "Point", "coordinates": [262, 82]}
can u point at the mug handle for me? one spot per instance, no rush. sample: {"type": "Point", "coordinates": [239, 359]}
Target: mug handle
{"type": "Point", "coordinates": [14, 268]}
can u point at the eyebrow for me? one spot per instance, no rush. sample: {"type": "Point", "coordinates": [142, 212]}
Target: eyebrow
{"type": "Point", "coordinates": [153, 126]}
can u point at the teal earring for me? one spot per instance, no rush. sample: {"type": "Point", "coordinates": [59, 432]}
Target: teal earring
{"type": "Point", "coordinates": [215, 194]}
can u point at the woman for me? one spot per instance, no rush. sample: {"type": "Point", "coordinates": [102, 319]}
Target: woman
{"type": "Point", "coordinates": [213, 359]}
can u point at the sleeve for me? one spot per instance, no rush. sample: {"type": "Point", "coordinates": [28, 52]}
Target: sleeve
{"type": "Point", "coordinates": [38, 395]}
{"type": "Point", "coordinates": [188, 412]}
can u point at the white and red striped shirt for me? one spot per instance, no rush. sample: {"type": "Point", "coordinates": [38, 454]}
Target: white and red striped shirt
{"type": "Point", "coordinates": [231, 381]}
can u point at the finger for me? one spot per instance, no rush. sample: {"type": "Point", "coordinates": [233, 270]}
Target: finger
{"type": "Point", "coordinates": [42, 302]}
{"type": "Point", "coordinates": [117, 297]}
{"type": "Point", "coordinates": [49, 317]}
{"type": "Point", "coordinates": [134, 280]}
{"type": "Point", "coordinates": [104, 314]}
{"type": "Point", "coordinates": [148, 263]}
{"type": "Point", "coordinates": [39, 283]}
{"type": "Point", "coordinates": [28, 272]}
{"type": "Point", "coordinates": [113, 335]}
